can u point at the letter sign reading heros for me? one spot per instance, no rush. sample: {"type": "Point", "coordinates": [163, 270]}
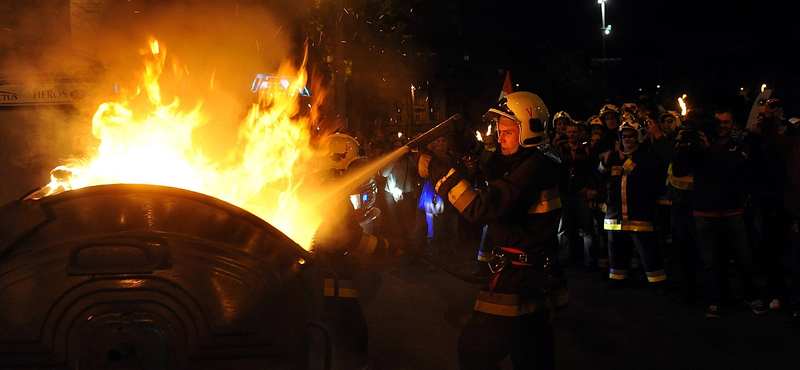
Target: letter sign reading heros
{"type": "Point", "coordinates": [49, 95]}
{"type": "Point", "coordinates": [67, 93]}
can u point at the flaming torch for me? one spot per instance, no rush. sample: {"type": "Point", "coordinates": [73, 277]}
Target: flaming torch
{"type": "Point", "coordinates": [682, 104]}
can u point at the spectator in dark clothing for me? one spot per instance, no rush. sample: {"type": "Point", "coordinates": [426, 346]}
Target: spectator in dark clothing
{"type": "Point", "coordinates": [402, 180]}
{"type": "Point", "coordinates": [789, 148]}
{"type": "Point", "coordinates": [718, 163]}
{"type": "Point", "coordinates": [768, 222]}
{"type": "Point", "coordinates": [596, 197]}
{"type": "Point", "coordinates": [576, 217]}
{"type": "Point", "coordinates": [442, 217]}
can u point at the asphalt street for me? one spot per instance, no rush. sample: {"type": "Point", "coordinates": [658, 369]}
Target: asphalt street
{"type": "Point", "coordinates": [415, 318]}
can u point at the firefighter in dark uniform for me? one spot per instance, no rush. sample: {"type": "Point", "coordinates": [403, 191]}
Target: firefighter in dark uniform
{"type": "Point", "coordinates": [339, 242]}
{"type": "Point", "coordinates": [680, 194]}
{"type": "Point", "coordinates": [632, 182]}
{"type": "Point", "coordinates": [522, 209]}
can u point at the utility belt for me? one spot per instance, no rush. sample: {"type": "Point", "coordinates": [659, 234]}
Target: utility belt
{"type": "Point", "coordinates": [501, 256]}
{"type": "Point", "coordinates": [544, 282]}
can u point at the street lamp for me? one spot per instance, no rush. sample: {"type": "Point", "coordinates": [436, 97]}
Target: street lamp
{"type": "Point", "coordinates": [606, 28]}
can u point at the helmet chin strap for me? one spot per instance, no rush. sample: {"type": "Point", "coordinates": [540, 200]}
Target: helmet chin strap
{"type": "Point", "coordinates": [503, 152]}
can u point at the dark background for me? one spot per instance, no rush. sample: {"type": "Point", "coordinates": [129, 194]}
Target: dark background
{"type": "Point", "coordinates": [718, 53]}
{"type": "Point", "coordinates": [707, 50]}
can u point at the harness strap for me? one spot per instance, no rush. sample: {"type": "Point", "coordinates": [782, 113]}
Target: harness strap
{"type": "Point", "coordinates": [502, 255]}
{"type": "Point", "coordinates": [515, 256]}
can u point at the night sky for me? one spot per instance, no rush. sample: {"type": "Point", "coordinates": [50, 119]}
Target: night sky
{"type": "Point", "coordinates": [708, 50]}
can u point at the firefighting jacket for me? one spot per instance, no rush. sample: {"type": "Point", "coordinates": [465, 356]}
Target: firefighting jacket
{"type": "Point", "coordinates": [338, 237]}
{"type": "Point", "coordinates": [632, 186]}
{"type": "Point", "coordinates": [679, 188]}
{"type": "Point", "coordinates": [719, 189]}
{"type": "Point", "coordinates": [522, 209]}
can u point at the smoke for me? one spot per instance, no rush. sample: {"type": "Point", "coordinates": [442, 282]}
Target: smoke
{"type": "Point", "coordinates": [237, 39]}
{"type": "Point", "coordinates": [215, 49]}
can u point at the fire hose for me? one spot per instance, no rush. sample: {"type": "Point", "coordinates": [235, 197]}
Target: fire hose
{"type": "Point", "coordinates": [448, 268]}
{"type": "Point", "coordinates": [465, 142]}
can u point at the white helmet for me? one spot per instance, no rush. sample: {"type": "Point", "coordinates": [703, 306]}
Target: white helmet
{"type": "Point", "coordinates": [632, 108]}
{"type": "Point", "coordinates": [608, 108]}
{"type": "Point", "coordinates": [561, 114]}
{"type": "Point", "coordinates": [337, 151]}
{"type": "Point", "coordinates": [629, 122]}
{"type": "Point", "coordinates": [595, 121]}
{"type": "Point", "coordinates": [530, 113]}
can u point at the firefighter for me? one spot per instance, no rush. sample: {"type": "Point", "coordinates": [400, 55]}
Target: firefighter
{"type": "Point", "coordinates": [610, 115]}
{"type": "Point", "coordinates": [631, 108]}
{"type": "Point", "coordinates": [679, 194]}
{"type": "Point", "coordinates": [680, 197]}
{"type": "Point", "coordinates": [632, 187]}
{"type": "Point", "coordinates": [336, 239]}
{"type": "Point", "coordinates": [596, 126]}
{"type": "Point", "coordinates": [560, 121]}
{"type": "Point", "coordinates": [521, 205]}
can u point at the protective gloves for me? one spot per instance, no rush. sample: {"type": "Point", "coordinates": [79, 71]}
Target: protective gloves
{"type": "Point", "coordinates": [430, 166]}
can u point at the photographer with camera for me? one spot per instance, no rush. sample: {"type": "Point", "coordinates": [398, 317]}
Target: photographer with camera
{"type": "Point", "coordinates": [789, 148]}
{"type": "Point", "coordinates": [766, 218]}
{"type": "Point", "coordinates": [719, 166]}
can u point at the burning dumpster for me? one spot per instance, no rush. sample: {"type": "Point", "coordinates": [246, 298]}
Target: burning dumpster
{"type": "Point", "coordinates": [152, 277]}
{"type": "Point", "coordinates": [179, 238]}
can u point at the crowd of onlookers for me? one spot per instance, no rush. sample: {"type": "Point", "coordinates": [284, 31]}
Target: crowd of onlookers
{"type": "Point", "coordinates": [641, 186]}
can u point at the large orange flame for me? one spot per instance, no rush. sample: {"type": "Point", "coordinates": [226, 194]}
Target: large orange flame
{"type": "Point", "coordinates": [152, 143]}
